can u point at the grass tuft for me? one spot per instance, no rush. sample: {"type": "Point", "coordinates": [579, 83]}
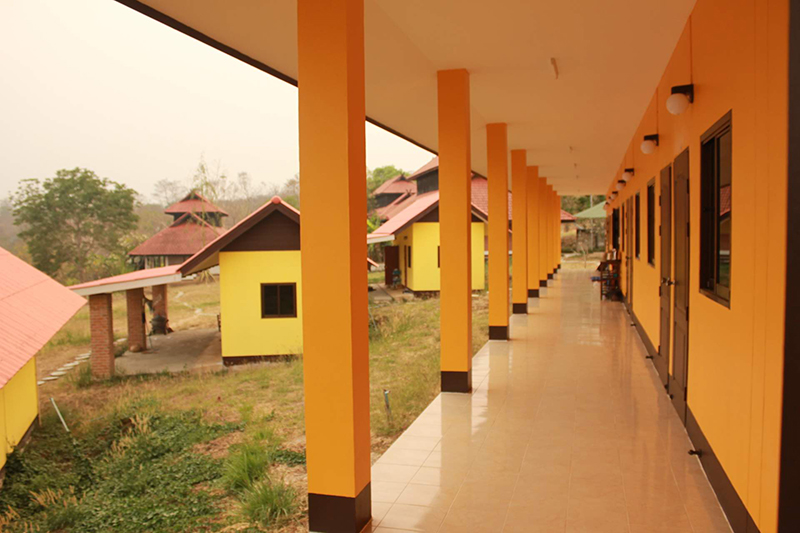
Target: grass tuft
{"type": "Point", "coordinates": [245, 466]}
{"type": "Point", "coordinates": [268, 503]}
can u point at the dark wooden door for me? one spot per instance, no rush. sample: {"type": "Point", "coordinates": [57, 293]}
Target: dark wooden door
{"type": "Point", "coordinates": [680, 323]}
{"type": "Point", "coordinates": [391, 256]}
{"type": "Point", "coordinates": [630, 226]}
{"type": "Point", "coordinates": [661, 359]}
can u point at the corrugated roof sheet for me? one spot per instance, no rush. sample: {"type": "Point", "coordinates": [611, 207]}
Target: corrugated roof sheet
{"type": "Point", "coordinates": [596, 211]}
{"type": "Point", "coordinates": [567, 217]}
{"type": "Point", "coordinates": [33, 307]}
{"type": "Point", "coordinates": [194, 202]}
{"type": "Point", "coordinates": [424, 169]}
{"type": "Point", "coordinates": [136, 275]}
{"type": "Point", "coordinates": [395, 185]}
{"type": "Point", "coordinates": [185, 236]}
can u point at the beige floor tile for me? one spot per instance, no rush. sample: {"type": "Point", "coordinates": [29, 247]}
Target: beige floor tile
{"type": "Point", "coordinates": [568, 430]}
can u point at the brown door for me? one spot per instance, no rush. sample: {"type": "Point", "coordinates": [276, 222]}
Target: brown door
{"type": "Point", "coordinates": [680, 323]}
{"type": "Point", "coordinates": [661, 359]}
{"type": "Point", "coordinates": [391, 256]}
{"type": "Point", "coordinates": [630, 226]}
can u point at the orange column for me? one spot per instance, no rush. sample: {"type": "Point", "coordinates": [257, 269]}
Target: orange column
{"type": "Point", "coordinates": [558, 232]}
{"type": "Point", "coordinates": [534, 218]}
{"type": "Point", "coordinates": [333, 246]}
{"type": "Point", "coordinates": [550, 230]}
{"type": "Point", "coordinates": [455, 213]}
{"type": "Point", "coordinates": [543, 229]}
{"type": "Point", "coordinates": [497, 159]}
{"type": "Point", "coordinates": [519, 228]}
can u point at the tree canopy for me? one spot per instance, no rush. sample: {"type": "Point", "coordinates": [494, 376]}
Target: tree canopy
{"type": "Point", "coordinates": [75, 224]}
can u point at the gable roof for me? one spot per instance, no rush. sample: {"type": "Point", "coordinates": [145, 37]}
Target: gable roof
{"type": "Point", "coordinates": [427, 168]}
{"type": "Point", "coordinates": [209, 255]}
{"type": "Point", "coordinates": [33, 307]}
{"type": "Point", "coordinates": [421, 206]}
{"type": "Point", "coordinates": [480, 194]}
{"type": "Point", "coordinates": [567, 217]}
{"type": "Point", "coordinates": [185, 236]}
{"type": "Point", "coordinates": [194, 202]}
{"type": "Point", "coordinates": [396, 185]}
{"type": "Point", "coordinates": [398, 204]}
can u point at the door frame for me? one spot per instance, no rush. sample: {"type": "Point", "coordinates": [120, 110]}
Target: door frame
{"type": "Point", "coordinates": [662, 355]}
{"type": "Point", "coordinates": [680, 397]}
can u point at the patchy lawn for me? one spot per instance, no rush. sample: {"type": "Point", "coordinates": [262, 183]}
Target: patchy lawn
{"type": "Point", "coordinates": [221, 451]}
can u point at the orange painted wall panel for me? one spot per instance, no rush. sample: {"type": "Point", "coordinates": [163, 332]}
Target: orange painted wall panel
{"type": "Point", "coordinates": [735, 52]}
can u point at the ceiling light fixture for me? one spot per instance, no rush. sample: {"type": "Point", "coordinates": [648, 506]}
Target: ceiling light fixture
{"type": "Point", "coordinates": [649, 144]}
{"type": "Point", "coordinates": [627, 174]}
{"type": "Point", "coordinates": [620, 185]}
{"type": "Point", "coordinates": [681, 97]}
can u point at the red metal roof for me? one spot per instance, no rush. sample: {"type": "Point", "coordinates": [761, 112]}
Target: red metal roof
{"type": "Point", "coordinates": [424, 169]}
{"type": "Point", "coordinates": [185, 236]}
{"type": "Point", "coordinates": [33, 307]}
{"type": "Point", "coordinates": [567, 217]}
{"type": "Point", "coordinates": [194, 202]}
{"type": "Point", "coordinates": [388, 211]}
{"type": "Point", "coordinates": [136, 275]}
{"type": "Point", "coordinates": [396, 185]}
{"type": "Point", "coordinates": [480, 194]}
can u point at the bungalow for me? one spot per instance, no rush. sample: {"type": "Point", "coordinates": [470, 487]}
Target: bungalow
{"type": "Point", "coordinates": [33, 307]}
{"type": "Point", "coordinates": [260, 283]}
{"type": "Point", "coordinates": [413, 232]}
{"type": "Point", "coordinates": [195, 222]}
{"type": "Point", "coordinates": [392, 193]}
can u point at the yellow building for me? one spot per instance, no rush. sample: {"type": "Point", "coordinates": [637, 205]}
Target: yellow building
{"type": "Point", "coordinates": [33, 307]}
{"type": "Point", "coordinates": [415, 245]}
{"type": "Point", "coordinates": [260, 285]}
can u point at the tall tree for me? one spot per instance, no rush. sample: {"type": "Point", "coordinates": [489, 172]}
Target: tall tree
{"type": "Point", "coordinates": [75, 223]}
{"type": "Point", "coordinates": [167, 192]}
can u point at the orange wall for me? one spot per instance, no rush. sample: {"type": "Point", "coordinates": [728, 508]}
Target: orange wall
{"type": "Point", "coordinates": [736, 54]}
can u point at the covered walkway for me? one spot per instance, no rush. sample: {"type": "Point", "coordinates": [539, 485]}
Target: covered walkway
{"type": "Point", "coordinates": [568, 430]}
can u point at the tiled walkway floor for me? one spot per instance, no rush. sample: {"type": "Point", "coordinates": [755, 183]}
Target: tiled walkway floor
{"type": "Point", "coordinates": [567, 430]}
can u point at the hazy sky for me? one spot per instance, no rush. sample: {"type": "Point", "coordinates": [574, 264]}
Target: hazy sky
{"type": "Point", "coordinates": [92, 83]}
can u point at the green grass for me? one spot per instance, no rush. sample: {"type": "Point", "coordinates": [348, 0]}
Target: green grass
{"type": "Point", "coordinates": [205, 452]}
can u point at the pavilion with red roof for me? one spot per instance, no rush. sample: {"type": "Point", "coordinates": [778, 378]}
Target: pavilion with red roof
{"type": "Point", "coordinates": [196, 222]}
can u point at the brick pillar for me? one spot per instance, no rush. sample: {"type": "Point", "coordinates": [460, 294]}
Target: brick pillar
{"type": "Point", "coordinates": [160, 303]}
{"type": "Point", "coordinates": [137, 339]}
{"type": "Point", "coordinates": [102, 330]}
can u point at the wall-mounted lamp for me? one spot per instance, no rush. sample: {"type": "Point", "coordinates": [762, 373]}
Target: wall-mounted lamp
{"type": "Point", "coordinates": [681, 97]}
{"type": "Point", "coordinates": [649, 144]}
{"type": "Point", "coordinates": [613, 195]}
{"type": "Point", "coordinates": [627, 175]}
{"type": "Point", "coordinates": [620, 185]}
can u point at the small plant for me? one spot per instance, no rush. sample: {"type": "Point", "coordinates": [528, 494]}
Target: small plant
{"type": "Point", "coordinates": [245, 466]}
{"type": "Point", "coordinates": [83, 377]}
{"type": "Point", "coordinates": [268, 503]}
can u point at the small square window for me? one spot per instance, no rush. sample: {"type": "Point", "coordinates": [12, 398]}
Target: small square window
{"type": "Point", "coordinates": [278, 300]}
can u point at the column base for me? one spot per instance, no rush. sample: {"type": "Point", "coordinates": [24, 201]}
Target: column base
{"type": "Point", "coordinates": [533, 293]}
{"type": "Point", "coordinates": [335, 514]}
{"type": "Point", "coordinates": [519, 309]}
{"type": "Point", "coordinates": [542, 283]}
{"type": "Point", "coordinates": [498, 333]}
{"type": "Point", "coordinates": [456, 381]}
{"type": "Point", "coordinates": [550, 276]}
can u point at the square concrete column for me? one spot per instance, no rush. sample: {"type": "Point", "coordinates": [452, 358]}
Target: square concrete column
{"type": "Point", "coordinates": [497, 158]}
{"type": "Point", "coordinates": [137, 339]}
{"type": "Point", "coordinates": [534, 218]}
{"type": "Point", "coordinates": [519, 235]}
{"type": "Point", "coordinates": [333, 239]}
{"type": "Point", "coordinates": [102, 333]}
{"type": "Point", "coordinates": [455, 298]}
{"type": "Point", "coordinates": [160, 302]}
{"type": "Point", "coordinates": [543, 229]}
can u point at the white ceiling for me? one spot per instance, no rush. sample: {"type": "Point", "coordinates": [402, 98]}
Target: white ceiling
{"type": "Point", "coordinates": [610, 54]}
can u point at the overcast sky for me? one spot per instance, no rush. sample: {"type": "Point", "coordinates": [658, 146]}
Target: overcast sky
{"type": "Point", "coordinates": [92, 83]}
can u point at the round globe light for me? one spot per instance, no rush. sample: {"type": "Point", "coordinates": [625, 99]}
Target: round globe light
{"type": "Point", "coordinates": [648, 147]}
{"type": "Point", "coordinates": [677, 103]}
{"type": "Point", "coordinates": [620, 185]}
{"type": "Point", "coordinates": [627, 175]}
